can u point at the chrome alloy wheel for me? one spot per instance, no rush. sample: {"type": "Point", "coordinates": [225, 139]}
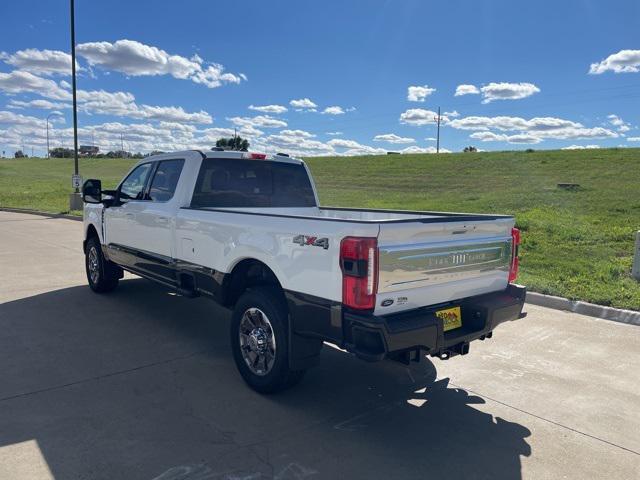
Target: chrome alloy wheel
{"type": "Point", "coordinates": [94, 265]}
{"type": "Point", "coordinates": [257, 341]}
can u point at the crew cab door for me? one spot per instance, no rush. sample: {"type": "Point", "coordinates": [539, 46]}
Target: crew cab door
{"type": "Point", "coordinates": [140, 229]}
{"type": "Point", "coordinates": [120, 218]}
{"type": "Point", "coordinates": [156, 219]}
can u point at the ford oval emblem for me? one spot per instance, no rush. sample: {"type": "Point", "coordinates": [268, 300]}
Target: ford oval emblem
{"type": "Point", "coordinates": [387, 302]}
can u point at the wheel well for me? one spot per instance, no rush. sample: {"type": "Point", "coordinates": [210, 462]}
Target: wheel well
{"type": "Point", "coordinates": [91, 232]}
{"type": "Point", "coordinates": [246, 274]}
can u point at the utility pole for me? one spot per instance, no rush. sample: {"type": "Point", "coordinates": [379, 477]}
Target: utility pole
{"type": "Point", "coordinates": [437, 119]}
{"type": "Point", "coordinates": [122, 143]}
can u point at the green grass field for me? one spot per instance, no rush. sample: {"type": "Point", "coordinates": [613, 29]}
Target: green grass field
{"type": "Point", "coordinates": [577, 244]}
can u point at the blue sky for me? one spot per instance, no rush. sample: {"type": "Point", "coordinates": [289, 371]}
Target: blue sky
{"type": "Point", "coordinates": [323, 77]}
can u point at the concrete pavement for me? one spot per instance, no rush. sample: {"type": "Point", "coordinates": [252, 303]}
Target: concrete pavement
{"type": "Point", "coordinates": [140, 384]}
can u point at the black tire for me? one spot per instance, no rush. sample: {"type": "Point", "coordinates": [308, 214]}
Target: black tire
{"type": "Point", "coordinates": [102, 275]}
{"type": "Point", "coordinates": [270, 302]}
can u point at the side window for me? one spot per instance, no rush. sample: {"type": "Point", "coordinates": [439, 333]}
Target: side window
{"type": "Point", "coordinates": [165, 180]}
{"type": "Point", "coordinates": [133, 186]}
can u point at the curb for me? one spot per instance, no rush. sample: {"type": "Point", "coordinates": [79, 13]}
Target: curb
{"type": "Point", "coordinates": [583, 308]}
{"type": "Point", "coordinates": [549, 301]}
{"type": "Point", "coordinates": [38, 212]}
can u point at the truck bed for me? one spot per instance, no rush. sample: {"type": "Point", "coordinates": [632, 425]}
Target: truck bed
{"type": "Point", "coordinates": [425, 258]}
{"type": "Point", "coordinates": [361, 215]}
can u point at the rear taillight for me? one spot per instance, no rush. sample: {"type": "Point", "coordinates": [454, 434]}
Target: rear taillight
{"type": "Point", "coordinates": [515, 246]}
{"type": "Point", "coordinates": [359, 264]}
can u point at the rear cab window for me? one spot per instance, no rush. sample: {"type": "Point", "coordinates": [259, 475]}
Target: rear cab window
{"type": "Point", "coordinates": [237, 183]}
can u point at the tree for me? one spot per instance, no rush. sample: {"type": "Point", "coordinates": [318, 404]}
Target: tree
{"type": "Point", "coordinates": [19, 154]}
{"type": "Point", "coordinates": [60, 152]}
{"type": "Point", "coordinates": [119, 154]}
{"type": "Point", "coordinates": [234, 143]}
{"type": "Point", "coordinates": [470, 149]}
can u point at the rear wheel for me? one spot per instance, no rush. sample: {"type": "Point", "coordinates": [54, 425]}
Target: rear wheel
{"type": "Point", "coordinates": [102, 275]}
{"type": "Point", "coordinates": [259, 340]}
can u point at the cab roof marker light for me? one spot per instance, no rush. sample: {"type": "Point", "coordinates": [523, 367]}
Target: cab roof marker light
{"type": "Point", "coordinates": [254, 156]}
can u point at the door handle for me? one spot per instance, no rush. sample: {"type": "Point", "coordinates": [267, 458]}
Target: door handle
{"type": "Point", "coordinates": [130, 215]}
{"type": "Point", "coordinates": [162, 220]}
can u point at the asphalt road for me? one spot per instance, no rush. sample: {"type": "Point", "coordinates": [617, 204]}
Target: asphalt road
{"type": "Point", "coordinates": [140, 384]}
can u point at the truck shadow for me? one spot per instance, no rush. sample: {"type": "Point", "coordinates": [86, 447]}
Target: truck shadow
{"type": "Point", "coordinates": [141, 384]}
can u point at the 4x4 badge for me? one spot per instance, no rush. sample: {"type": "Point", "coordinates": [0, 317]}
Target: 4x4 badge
{"type": "Point", "coordinates": [303, 240]}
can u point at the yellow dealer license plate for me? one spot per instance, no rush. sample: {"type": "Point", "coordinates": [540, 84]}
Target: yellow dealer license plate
{"type": "Point", "coordinates": [451, 318]}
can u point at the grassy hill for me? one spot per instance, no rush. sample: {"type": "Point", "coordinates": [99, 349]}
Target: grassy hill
{"type": "Point", "coordinates": [576, 243]}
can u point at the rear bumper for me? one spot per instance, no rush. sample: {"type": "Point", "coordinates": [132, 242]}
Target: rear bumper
{"type": "Point", "coordinates": [374, 338]}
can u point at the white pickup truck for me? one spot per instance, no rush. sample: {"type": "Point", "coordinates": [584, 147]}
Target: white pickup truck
{"type": "Point", "coordinates": [246, 229]}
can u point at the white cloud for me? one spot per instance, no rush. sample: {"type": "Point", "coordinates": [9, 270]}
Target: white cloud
{"type": "Point", "coordinates": [625, 61]}
{"type": "Point", "coordinates": [335, 110]}
{"type": "Point", "coordinates": [123, 104]}
{"type": "Point", "coordinates": [465, 89]}
{"type": "Point", "coordinates": [393, 138]}
{"type": "Point", "coordinates": [137, 59]}
{"type": "Point", "coordinates": [507, 91]}
{"type": "Point", "coordinates": [620, 124]}
{"type": "Point", "coordinates": [303, 103]}
{"type": "Point", "coordinates": [453, 114]}
{"type": "Point", "coordinates": [419, 116]}
{"type": "Point", "coordinates": [431, 139]}
{"type": "Point", "coordinates": [12, 118]}
{"type": "Point", "coordinates": [633, 139]}
{"type": "Point", "coordinates": [334, 134]}
{"type": "Point", "coordinates": [43, 62]}
{"type": "Point", "coordinates": [506, 123]}
{"type": "Point", "coordinates": [533, 130]}
{"type": "Point", "coordinates": [295, 142]}
{"type": "Point", "coordinates": [354, 148]}
{"type": "Point", "coordinates": [419, 93]}
{"type": "Point", "coordinates": [501, 137]}
{"type": "Point", "coordinates": [20, 81]}
{"type": "Point", "coordinates": [170, 114]}
{"type": "Point", "coordinates": [415, 149]}
{"type": "Point", "coordinates": [93, 102]}
{"type": "Point", "coordinates": [264, 121]}
{"type": "Point", "coordinates": [297, 133]}
{"type": "Point", "coordinates": [43, 104]}
{"type": "Point", "coordinates": [581, 147]}
{"type": "Point", "coordinates": [275, 109]}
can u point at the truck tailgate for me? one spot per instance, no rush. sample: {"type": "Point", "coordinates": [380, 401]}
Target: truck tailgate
{"type": "Point", "coordinates": [429, 263]}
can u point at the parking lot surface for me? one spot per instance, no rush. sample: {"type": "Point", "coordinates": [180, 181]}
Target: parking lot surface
{"type": "Point", "coordinates": [140, 384]}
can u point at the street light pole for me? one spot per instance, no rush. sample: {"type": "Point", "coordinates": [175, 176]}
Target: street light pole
{"type": "Point", "coordinates": [75, 100]}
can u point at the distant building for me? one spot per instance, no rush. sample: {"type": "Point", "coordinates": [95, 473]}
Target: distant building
{"type": "Point", "coordinates": [88, 150]}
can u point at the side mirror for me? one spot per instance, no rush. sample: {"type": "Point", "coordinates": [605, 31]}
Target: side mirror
{"type": "Point", "coordinates": [92, 191]}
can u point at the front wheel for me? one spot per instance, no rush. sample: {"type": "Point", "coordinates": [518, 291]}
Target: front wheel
{"type": "Point", "coordinates": [259, 340]}
{"type": "Point", "coordinates": [101, 274]}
